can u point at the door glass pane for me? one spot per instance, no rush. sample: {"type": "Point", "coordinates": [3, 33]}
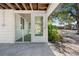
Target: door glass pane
{"type": "Point", "coordinates": [27, 30]}
{"type": "Point", "coordinates": [19, 27]}
{"type": "Point", "coordinates": [39, 26]}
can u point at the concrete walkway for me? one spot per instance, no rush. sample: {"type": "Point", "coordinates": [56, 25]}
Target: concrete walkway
{"type": "Point", "coordinates": [25, 49]}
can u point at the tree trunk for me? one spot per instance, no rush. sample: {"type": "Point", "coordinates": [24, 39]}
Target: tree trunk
{"type": "Point", "coordinates": [77, 17]}
{"type": "Point", "coordinates": [77, 25]}
{"type": "Point", "coordinates": [69, 26]}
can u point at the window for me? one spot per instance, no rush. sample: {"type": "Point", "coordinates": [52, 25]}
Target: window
{"type": "Point", "coordinates": [38, 26]}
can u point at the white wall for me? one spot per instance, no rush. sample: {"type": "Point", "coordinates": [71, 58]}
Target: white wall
{"type": "Point", "coordinates": [7, 32]}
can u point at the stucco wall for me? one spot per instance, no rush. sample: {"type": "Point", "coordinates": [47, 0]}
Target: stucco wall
{"type": "Point", "coordinates": [7, 26]}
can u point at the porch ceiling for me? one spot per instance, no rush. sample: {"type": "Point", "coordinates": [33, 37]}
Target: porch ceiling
{"type": "Point", "coordinates": [24, 6]}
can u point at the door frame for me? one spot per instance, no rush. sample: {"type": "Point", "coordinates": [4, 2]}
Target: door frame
{"type": "Point", "coordinates": [38, 38]}
{"type": "Point", "coordinates": [32, 23]}
{"type": "Point", "coordinates": [22, 32]}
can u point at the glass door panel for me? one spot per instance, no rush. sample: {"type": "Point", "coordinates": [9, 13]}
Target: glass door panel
{"type": "Point", "coordinates": [18, 29]}
{"type": "Point", "coordinates": [27, 31]}
{"type": "Point", "coordinates": [38, 26]}
{"type": "Point", "coordinates": [23, 26]}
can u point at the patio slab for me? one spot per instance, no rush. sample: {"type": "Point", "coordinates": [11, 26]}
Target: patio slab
{"type": "Point", "coordinates": [25, 49]}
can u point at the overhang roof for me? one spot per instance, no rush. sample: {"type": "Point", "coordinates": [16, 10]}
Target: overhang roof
{"type": "Point", "coordinates": [24, 6]}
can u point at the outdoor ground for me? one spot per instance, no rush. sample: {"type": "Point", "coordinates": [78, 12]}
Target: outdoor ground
{"type": "Point", "coordinates": [25, 49]}
{"type": "Point", "coordinates": [70, 46]}
{"type": "Point", "coordinates": [71, 41]}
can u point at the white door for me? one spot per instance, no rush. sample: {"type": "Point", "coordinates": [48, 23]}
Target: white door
{"type": "Point", "coordinates": [23, 28]}
{"type": "Point", "coordinates": [38, 27]}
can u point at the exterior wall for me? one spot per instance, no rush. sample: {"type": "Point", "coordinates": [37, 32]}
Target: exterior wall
{"type": "Point", "coordinates": [7, 32]}
{"type": "Point", "coordinates": [7, 26]}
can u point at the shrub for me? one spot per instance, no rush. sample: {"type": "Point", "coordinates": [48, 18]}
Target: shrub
{"type": "Point", "coordinates": [53, 34]}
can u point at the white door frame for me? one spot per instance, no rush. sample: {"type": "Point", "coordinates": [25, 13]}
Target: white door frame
{"type": "Point", "coordinates": [38, 38]}
{"type": "Point", "coordinates": [21, 31]}
{"type": "Point", "coordinates": [33, 14]}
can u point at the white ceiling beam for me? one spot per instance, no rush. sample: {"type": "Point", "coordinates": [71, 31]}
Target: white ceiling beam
{"type": "Point", "coordinates": [18, 6]}
{"type": "Point", "coordinates": [24, 6]}
{"type": "Point", "coordinates": [10, 5]}
{"type": "Point", "coordinates": [31, 6]}
{"type": "Point", "coordinates": [3, 6]}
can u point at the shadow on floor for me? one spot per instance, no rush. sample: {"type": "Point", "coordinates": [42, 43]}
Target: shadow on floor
{"type": "Point", "coordinates": [25, 49]}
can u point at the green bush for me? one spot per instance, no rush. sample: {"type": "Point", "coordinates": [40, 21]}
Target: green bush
{"type": "Point", "coordinates": [53, 34]}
